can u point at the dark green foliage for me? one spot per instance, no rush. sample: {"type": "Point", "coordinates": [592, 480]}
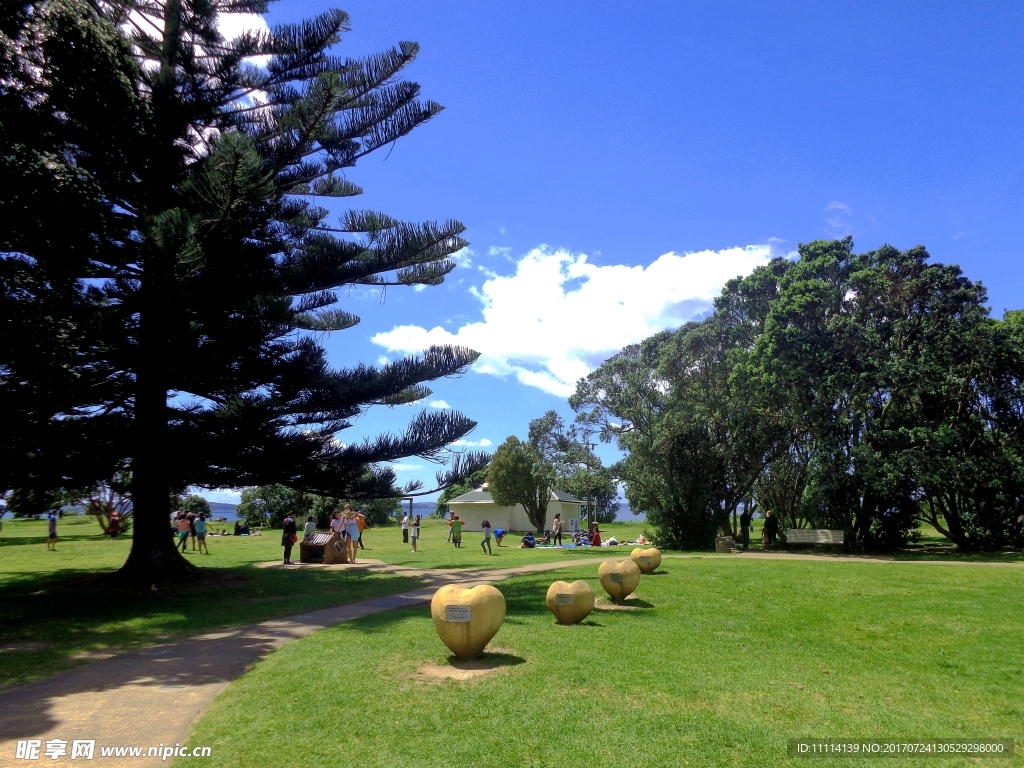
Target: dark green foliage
{"type": "Point", "coordinates": [197, 505]}
{"type": "Point", "coordinates": [857, 392]}
{"type": "Point", "coordinates": [166, 267]}
{"type": "Point", "coordinates": [519, 475]}
{"type": "Point", "coordinates": [577, 469]}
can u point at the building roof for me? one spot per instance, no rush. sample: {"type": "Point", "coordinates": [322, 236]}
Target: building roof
{"type": "Point", "coordinates": [483, 497]}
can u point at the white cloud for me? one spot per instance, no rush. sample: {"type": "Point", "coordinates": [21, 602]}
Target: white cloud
{"type": "Point", "coordinates": [399, 467]}
{"type": "Point", "coordinates": [481, 443]}
{"type": "Point", "coordinates": [839, 222]}
{"type": "Point", "coordinates": [559, 316]}
{"type": "Point", "coordinates": [382, 360]}
{"type": "Point", "coordinates": [232, 25]}
{"type": "Point", "coordinates": [439, 404]}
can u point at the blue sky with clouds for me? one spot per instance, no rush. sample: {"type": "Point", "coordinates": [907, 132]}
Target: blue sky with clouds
{"type": "Point", "coordinates": [588, 147]}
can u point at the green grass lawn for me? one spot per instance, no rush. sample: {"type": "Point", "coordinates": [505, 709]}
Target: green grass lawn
{"type": "Point", "coordinates": [730, 659]}
{"type": "Point", "coordinates": [434, 552]}
{"type": "Point", "coordinates": [56, 612]}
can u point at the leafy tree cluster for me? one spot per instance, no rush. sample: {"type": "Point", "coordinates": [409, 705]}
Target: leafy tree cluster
{"type": "Point", "coordinates": [166, 276]}
{"type": "Point", "coordinates": [867, 393]}
{"type": "Point", "coordinates": [268, 505]}
{"type": "Point", "coordinates": [553, 456]}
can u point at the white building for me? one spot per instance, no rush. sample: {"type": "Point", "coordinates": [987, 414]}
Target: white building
{"type": "Point", "coordinates": [476, 506]}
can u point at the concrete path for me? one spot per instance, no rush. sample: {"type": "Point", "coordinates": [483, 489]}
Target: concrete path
{"type": "Point", "coordinates": [151, 698]}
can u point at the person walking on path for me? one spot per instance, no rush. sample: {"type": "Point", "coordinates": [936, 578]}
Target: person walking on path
{"type": "Point", "coordinates": [361, 522]}
{"type": "Point", "coordinates": [771, 527]}
{"type": "Point", "coordinates": [51, 539]}
{"type": "Point", "coordinates": [486, 543]}
{"type": "Point", "coordinates": [288, 537]}
{"type": "Point", "coordinates": [200, 526]}
{"type": "Point", "coordinates": [556, 529]}
{"type": "Point", "coordinates": [457, 531]}
{"type": "Point", "coordinates": [745, 520]}
{"type": "Point", "coordinates": [405, 528]}
{"type": "Point", "coordinates": [414, 532]}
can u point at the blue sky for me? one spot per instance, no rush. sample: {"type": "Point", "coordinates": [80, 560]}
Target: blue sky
{"type": "Point", "coordinates": [588, 147]}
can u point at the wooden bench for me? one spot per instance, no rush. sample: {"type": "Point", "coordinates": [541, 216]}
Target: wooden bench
{"type": "Point", "coordinates": [813, 536]}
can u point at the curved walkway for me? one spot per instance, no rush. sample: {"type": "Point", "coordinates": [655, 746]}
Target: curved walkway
{"type": "Point", "coordinates": [152, 697]}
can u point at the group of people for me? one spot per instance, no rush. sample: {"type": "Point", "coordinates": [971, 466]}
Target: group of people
{"type": "Point", "coordinates": [769, 532]}
{"type": "Point", "coordinates": [189, 524]}
{"type": "Point", "coordinates": [349, 524]}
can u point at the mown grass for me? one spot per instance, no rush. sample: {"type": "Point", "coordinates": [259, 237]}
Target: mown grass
{"type": "Point", "coordinates": [733, 658]}
{"type": "Point", "coordinates": [57, 610]}
{"type": "Point", "coordinates": [434, 552]}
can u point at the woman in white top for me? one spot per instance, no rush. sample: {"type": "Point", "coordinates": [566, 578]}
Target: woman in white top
{"type": "Point", "coordinates": [414, 532]}
{"type": "Point", "coordinates": [351, 527]}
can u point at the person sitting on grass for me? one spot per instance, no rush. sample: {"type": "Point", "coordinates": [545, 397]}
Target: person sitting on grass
{"type": "Point", "coordinates": [529, 542]}
{"type": "Point", "coordinates": [595, 537]}
{"type": "Point", "coordinates": [499, 534]}
{"type": "Point", "coordinates": [545, 539]}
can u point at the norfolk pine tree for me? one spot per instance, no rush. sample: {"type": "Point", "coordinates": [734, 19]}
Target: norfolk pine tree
{"type": "Point", "coordinates": [217, 270]}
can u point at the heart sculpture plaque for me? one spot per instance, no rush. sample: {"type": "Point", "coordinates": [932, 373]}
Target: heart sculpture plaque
{"type": "Point", "coordinates": [467, 619]}
{"type": "Point", "coordinates": [647, 560]}
{"type": "Point", "coordinates": [619, 579]}
{"type": "Point", "coordinates": [571, 603]}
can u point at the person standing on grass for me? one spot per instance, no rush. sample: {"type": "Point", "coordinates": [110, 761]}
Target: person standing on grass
{"type": "Point", "coordinates": [183, 530]}
{"type": "Point", "coordinates": [414, 532]}
{"type": "Point", "coordinates": [486, 543]}
{"type": "Point", "coordinates": [771, 527]}
{"type": "Point", "coordinates": [351, 527]}
{"type": "Point", "coordinates": [192, 528]}
{"type": "Point", "coordinates": [114, 527]}
{"type": "Point", "coordinates": [200, 526]}
{"type": "Point", "coordinates": [745, 520]}
{"type": "Point", "coordinates": [556, 529]}
{"type": "Point", "coordinates": [451, 519]}
{"type": "Point", "coordinates": [51, 539]}
{"type": "Point", "coordinates": [405, 528]}
{"type": "Point", "coordinates": [288, 537]}
{"type": "Point", "coordinates": [457, 531]}
{"type": "Point", "coordinates": [361, 522]}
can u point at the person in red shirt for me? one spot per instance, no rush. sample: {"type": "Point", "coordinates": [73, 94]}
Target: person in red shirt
{"type": "Point", "coordinates": [595, 539]}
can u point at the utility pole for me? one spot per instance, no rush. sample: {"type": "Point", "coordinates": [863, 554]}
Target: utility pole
{"type": "Point", "coordinates": [589, 446]}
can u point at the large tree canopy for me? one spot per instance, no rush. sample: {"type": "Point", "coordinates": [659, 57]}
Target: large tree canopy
{"type": "Point", "coordinates": [173, 271]}
{"type": "Point", "coordinates": [863, 392]}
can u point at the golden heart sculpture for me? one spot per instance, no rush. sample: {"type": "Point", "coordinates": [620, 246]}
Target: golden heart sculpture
{"type": "Point", "coordinates": [571, 603]}
{"type": "Point", "coordinates": [467, 619]}
{"type": "Point", "coordinates": [647, 560]}
{"type": "Point", "coordinates": [619, 579]}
